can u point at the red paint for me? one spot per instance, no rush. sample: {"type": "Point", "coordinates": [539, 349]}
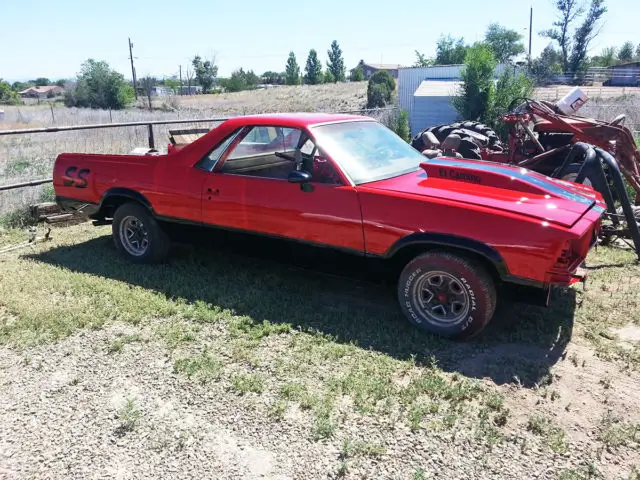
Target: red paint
{"type": "Point", "coordinates": [528, 225]}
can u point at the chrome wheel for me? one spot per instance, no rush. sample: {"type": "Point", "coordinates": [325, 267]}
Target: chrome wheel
{"type": "Point", "coordinates": [134, 236]}
{"type": "Point", "coordinates": [441, 298]}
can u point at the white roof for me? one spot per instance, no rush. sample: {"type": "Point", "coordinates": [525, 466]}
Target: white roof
{"type": "Point", "coordinates": [437, 88]}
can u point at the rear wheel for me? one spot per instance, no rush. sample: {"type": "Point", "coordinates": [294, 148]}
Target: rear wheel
{"type": "Point", "coordinates": [137, 234]}
{"type": "Point", "coordinates": [447, 294]}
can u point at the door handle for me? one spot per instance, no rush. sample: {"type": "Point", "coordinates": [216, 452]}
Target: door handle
{"type": "Point", "coordinates": [213, 191]}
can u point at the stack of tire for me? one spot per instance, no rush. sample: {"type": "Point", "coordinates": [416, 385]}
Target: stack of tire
{"type": "Point", "coordinates": [468, 137]}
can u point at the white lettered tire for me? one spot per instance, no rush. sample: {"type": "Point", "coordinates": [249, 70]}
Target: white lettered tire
{"type": "Point", "coordinates": [447, 294]}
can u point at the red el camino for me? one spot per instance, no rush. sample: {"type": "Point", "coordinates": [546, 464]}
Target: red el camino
{"type": "Point", "coordinates": [455, 229]}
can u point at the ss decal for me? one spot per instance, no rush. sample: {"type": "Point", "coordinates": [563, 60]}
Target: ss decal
{"type": "Point", "coordinates": [75, 178]}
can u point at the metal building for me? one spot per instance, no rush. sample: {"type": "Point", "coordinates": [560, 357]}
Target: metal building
{"type": "Point", "coordinates": [430, 105]}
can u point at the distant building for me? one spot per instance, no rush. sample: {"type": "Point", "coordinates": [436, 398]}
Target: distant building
{"type": "Point", "coordinates": [193, 90]}
{"type": "Point", "coordinates": [161, 91]}
{"type": "Point", "coordinates": [47, 91]}
{"type": "Point", "coordinates": [624, 75]}
{"type": "Point", "coordinates": [370, 68]}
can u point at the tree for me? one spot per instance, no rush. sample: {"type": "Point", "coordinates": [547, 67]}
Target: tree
{"type": "Point", "coordinates": [189, 76]}
{"type": "Point", "coordinates": [41, 82]}
{"type": "Point", "coordinates": [357, 75]}
{"type": "Point", "coordinates": [336, 62]}
{"type": "Point", "coordinates": [273, 78]}
{"type": "Point", "coordinates": [19, 86]}
{"type": "Point", "coordinates": [328, 77]}
{"type": "Point", "coordinates": [625, 54]}
{"type": "Point", "coordinates": [508, 88]}
{"type": "Point", "coordinates": [98, 86]}
{"type": "Point", "coordinates": [607, 58]}
{"type": "Point", "coordinates": [380, 89]}
{"type": "Point", "coordinates": [172, 83]}
{"type": "Point", "coordinates": [61, 82]}
{"type": "Point", "coordinates": [584, 35]}
{"type": "Point", "coordinates": [7, 95]}
{"type": "Point", "coordinates": [477, 90]}
{"type": "Point", "coordinates": [548, 64]}
{"type": "Point", "coordinates": [205, 72]}
{"type": "Point", "coordinates": [638, 51]}
{"type": "Point", "coordinates": [422, 60]}
{"type": "Point", "coordinates": [147, 83]}
{"type": "Point", "coordinates": [574, 47]}
{"type": "Point", "coordinates": [568, 10]}
{"type": "Point", "coordinates": [450, 51]}
{"type": "Point", "coordinates": [241, 80]}
{"type": "Point", "coordinates": [506, 44]}
{"type": "Point", "coordinates": [292, 71]}
{"type": "Point", "coordinates": [313, 69]}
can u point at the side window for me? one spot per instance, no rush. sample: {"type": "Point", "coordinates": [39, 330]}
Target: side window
{"type": "Point", "coordinates": [209, 161]}
{"type": "Point", "coordinates": [264, 151]}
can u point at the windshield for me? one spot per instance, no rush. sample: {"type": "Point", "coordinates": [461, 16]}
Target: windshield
{"type": "Point", "coordinates": [367, 151]}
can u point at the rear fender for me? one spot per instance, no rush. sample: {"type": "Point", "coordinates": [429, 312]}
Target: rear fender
{"type": "Point", "coordinates": [411, 244]}
{"type": "Point", "coordinates": [115, 197]}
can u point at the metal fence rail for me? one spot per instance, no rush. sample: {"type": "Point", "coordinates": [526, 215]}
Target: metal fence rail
{"type": "Point", "coordinates": [149, 124]}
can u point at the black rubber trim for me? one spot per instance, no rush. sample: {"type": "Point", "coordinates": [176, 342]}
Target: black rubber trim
{"type": "Point", "coordinates": [125, 193]}
{"type": "Point", "coordinates": [67, 204]}
{"type": "Point", "coordinates": [424, 238]}
{"type": "Point", "coordinates": [181, 221]}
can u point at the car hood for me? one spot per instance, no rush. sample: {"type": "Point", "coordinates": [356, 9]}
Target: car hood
{"type": "Point", "coordinates": [496, 186]}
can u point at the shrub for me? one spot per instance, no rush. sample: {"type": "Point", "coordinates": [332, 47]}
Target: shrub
{"type": "Point", "coordinates": [380, 89]}
{"type": "Point", "coordinates": [477, 87]}
{"type": "Point", "coordinates": [357, 75]}
{"type": "Point", "coordinates": [99, 87]}
{"type": "Point", "coordinates": [400, 125]}
{"type": "Point", "coordinates": [7, 95]}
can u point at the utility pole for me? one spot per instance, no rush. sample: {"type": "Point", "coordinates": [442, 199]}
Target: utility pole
{"type": "Point", "coordinates": [180, 69]}
{"type": "Point", "coordinates": [133, 70]}
{"type": "Point", "coordinates": [530, 30]}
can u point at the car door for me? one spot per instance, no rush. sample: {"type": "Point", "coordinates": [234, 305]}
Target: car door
{"type": "Point", "coordinates": [250, 191]}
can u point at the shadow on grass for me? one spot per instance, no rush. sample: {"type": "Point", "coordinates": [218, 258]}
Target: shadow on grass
{"type": "Point", "coordinates": [318, 290]}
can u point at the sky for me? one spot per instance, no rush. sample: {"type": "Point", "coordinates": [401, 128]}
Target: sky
{"type": "Point", "coordinates": [52, 38]}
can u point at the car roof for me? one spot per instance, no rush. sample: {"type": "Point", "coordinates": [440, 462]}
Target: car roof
{"type": "Point", "coordinates": [297, 119]}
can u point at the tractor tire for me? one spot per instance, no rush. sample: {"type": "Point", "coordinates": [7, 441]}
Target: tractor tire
{"type": "Point", "coordinates": [571, 174]}
{"type": "Point", "coordinates": [447, 294]}
{"type": "Point", "coordinates": [441, 132]}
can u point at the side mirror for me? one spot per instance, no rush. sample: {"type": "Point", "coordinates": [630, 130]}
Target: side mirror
{"type": "Point", "coordinates": [299, 176]}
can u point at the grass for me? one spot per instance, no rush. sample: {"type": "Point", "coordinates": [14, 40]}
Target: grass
{"type": "Point", "coordinates": [248, 383]}
{"type": "Point", "coordinates": [202, 367]}
{"type": "Point", "coordinates": [554, 436]}
{"type": "Point", "coordinates": [118, 345]}
{"type": "Point", "coordinates": [128, 416]}
{"type": "Point", "coordinates": [614, 432]}
{"type": "Point", "coordinates": [328, 350]}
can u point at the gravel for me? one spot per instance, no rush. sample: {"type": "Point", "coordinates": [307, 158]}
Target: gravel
{"type": "Point", "coordinates": [61, 416]}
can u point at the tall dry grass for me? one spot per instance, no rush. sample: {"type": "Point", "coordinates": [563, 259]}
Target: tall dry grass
{"type": "Point", "coordinates": [28, 157]}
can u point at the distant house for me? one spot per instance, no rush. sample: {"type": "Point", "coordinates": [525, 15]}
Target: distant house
{"type": "Point", "coordinates": [624, 75]}
{"type": "Point", "coordinates": [370, 68]}
{"type": "Point", "coordinates": [47, 91]}
{"type": "Point", "coordinates": [161, 91]}
{"type": "Point", "coordinates": [193, 90]}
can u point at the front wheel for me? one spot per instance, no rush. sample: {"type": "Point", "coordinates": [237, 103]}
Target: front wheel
{"type": "Point", "coordinates": [137, 234]}
{"type": "Point", "coordinates": [447, 294]}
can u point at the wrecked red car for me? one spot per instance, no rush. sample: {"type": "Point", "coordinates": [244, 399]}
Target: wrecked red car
{"type": "Point", "coordinates": [456, 230]}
